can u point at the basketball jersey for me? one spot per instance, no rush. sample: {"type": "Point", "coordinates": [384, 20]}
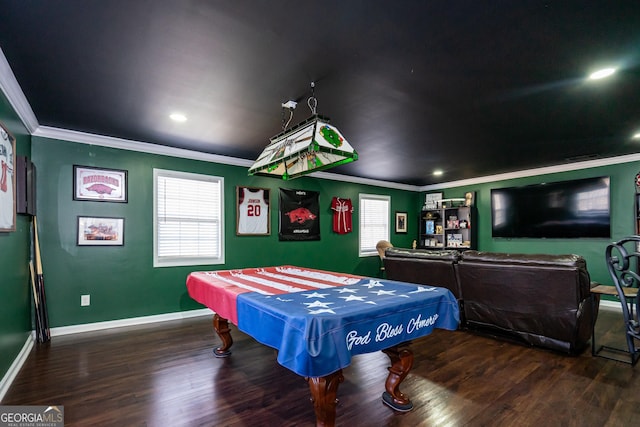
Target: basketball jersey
{"type": "Point", "coordinates": [253, 213]}
{"type": "Point", "coordinates": [6, 182]}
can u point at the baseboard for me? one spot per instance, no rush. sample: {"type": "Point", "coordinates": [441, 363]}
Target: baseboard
{"type": "Point", "coordinates": [16, 366]}
{"type": "Point", "coordinates": [89, 327]}
{"type": "Point", "coordinates": [610, 305]}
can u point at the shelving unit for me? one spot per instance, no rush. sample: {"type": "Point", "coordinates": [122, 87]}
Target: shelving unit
{"type": "Point", "coordinates": [449, 226]}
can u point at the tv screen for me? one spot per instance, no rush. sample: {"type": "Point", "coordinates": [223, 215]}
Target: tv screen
{"type": "Point", "coordinates": [565, 209]}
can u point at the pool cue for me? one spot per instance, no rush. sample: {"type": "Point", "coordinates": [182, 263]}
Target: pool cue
{"type": "Point", "coordinates": [36, 303]}
{"type": "Point", "coordinates": [46, 334]}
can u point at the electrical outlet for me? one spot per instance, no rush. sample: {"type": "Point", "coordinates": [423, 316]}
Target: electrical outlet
{"type": "Point", "coordinates": [85, 300]}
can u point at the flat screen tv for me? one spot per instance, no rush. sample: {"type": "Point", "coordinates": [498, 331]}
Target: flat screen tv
{"type": "Point", "coordinates": [565, 209]}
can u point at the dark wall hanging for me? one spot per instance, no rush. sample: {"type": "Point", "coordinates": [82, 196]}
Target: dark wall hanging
{"type": "Point", "coordinates": [299, 215]}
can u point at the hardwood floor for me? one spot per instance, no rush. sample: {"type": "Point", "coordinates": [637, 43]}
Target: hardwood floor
{"type": "Point", "coordinates": [165, 375]}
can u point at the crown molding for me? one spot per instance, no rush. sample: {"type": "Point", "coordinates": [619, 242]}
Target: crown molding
{"type": "Point", "coordinates": [12, 90]}
{"type": "Point", "coordinates": [365, 181]}
{"type": "Point", "coordinates": [15, 96]}
{"type": "Point", "coordinates": [131, 145]}
{"type": "Point", "coordinates": [534, 172]}
{"type": "Point", "coordinates": [145, 147]}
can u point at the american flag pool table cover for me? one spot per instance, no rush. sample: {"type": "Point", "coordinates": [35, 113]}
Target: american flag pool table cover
{"type": "Point", "coordinates": [318, 319]}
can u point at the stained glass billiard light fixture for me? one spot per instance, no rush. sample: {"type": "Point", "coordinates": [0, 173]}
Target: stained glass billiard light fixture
{"type": "Point", "coordinates": [310, 146]}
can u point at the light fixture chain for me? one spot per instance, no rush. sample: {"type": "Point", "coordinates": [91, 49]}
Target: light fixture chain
{"type": "Point", "coordinates": [285, 122]}
{"type": "Point", "coordinates": [312, 102]}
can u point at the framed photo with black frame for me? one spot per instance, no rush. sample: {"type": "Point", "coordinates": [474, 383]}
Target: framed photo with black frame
{"type": "Point", "coordinates": [100, 231]}
{"type": "Point", "coordinates": [401, 222]}
{"type": "Point", "coordinates": [99, 184]}
{"type": "Point", "coordinates": [252, 211]}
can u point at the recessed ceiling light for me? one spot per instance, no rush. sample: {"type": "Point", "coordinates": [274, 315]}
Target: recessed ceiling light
{"type": "Point", "coordinates": [601, 74]}
{"type": "Point", "coordinates": [178, 117]}
{"type": "Point", "coordinates": [437, 172]}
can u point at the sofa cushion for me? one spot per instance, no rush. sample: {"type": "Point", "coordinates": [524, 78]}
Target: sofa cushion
{"type": "Point", "coordinates": [435, 268]}
{"type": "Point", "coordinates": [577, 289]}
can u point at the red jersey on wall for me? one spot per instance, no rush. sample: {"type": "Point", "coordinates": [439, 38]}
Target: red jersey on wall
{"type": "Point", "coordinates": [342, 210]}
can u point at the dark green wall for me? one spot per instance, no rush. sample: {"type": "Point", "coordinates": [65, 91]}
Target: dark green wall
{"type": "Point", "coordinates": [122, 281]}
{"type": "Point", "coordinates": [622, 216]}
{"type": "Point", "coordinates": [15, 304]}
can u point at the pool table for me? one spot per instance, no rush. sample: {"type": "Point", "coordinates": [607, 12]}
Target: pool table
{"type": "Point", "coordinates": [318, 320]}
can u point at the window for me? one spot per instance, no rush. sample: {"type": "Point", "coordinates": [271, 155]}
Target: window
{"type": "Point", "coordinates": [374, 222]}
{"type": "Point", "coordinates": [188, 223]}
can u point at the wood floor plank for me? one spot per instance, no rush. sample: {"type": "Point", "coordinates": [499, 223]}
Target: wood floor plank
{"type": "Point", "coordinates": [165, 375]}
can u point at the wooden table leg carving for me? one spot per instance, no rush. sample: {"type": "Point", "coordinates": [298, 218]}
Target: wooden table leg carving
{"type": "Point", "coordinates": [401, 363]}
{"type": "Point", "coordinates": [324, 392]}
{"type": "Point", "coordinates": [221, 326]}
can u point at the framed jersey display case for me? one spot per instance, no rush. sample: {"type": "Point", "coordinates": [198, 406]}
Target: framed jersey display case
{"type": "Point", "coordinates": [252, 212]}
{"type": "Point", "coordinates": [7, 180]}
{"type": "Point", "coordinates": [299, 216]}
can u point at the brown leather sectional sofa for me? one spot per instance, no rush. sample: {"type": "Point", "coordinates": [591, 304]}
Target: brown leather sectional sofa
{"type": "Point", "coordinates": [541, 300]}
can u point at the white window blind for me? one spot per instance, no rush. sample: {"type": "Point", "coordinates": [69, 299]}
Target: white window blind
{"type": "Point", "coordinates": [188, 219]}
{"type": "Point", "coordinates": [374, 222]}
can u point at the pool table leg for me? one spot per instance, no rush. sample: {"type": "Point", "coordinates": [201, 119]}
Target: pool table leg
{"type": "Point", "coordinates": [323, 395]}
{"type": "Point", "coordinates": [401, 363]}
{"type": "Point", "coordinates": [221, 326]}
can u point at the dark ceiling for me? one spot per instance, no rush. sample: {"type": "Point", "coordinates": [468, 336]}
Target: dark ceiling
{"type": "Point", "coordinates": [474, 88]}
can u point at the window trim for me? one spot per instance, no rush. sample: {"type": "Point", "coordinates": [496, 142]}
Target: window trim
{"type": "Point", "coordinates": [186, 261]}
{"type": "Point", "coordinates": [365, 196]}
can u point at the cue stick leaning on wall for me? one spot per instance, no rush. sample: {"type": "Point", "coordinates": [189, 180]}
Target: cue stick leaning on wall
{"type": "Point", "coordinates": [39, 326]}
{"type": "Point", "coordinates": [46, 333]}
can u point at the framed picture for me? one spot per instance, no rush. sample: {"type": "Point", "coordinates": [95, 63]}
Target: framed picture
{"type": "Point", "coordinates": [299, 215]}
{"type": "Point", "coordinates": [99, 184]}
{"type": "Point", "coordinates": [252, 212]}
{"type": "Point", "coordinates": [401, 222]}
{"type": "Point", "coordinates": [431, 200]}
{"type": "Point", "coordinates": [429, 227]}
{"type": "Point", "coordinates": [7, 180]}
{"type": "Point", "coordinates": [100, 231]}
